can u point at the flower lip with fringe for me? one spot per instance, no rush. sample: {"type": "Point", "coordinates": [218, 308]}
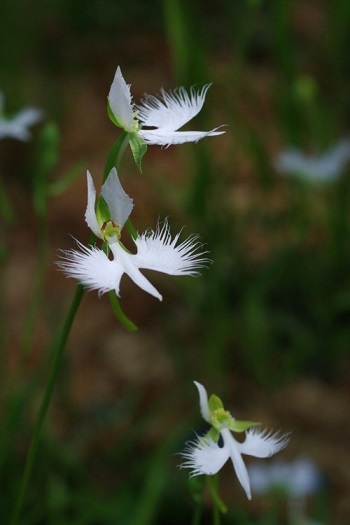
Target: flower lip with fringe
{"type": "Point", "coordinates": [165, 114]}
{"type": "Point", "coordinates": [206, 456]}
{"type": "Point", "coordinates": [17, 126]}
{"type": "Point", "coordinates": [156, 249]}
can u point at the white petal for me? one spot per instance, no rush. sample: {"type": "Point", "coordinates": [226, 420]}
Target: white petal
{"type": "Point", "coordinates": [92, 268]}
{"type": "Point", "coordinates": [90, 213]}
{"type": "Point", "coordinates": [203, 401]}
{"type": "Point", "coordinates": [237, 461]}
{"type": "Point", "coordinates": [28, 117]}
{"type": "Point", "coordinates": [128, 261]}
{"type": "Point", "coordinates": [120, 100]}
{"type": "Point", "coordinates": [171, 110]}
{"type": "Point", "coordinates": [156, 250]}
{"type": "Point", "coordinates": [204, 457]}
{"type": "Point", "coordinates": [16, 127]}
{"type": "Point", "coordinates": [263, 444]}
{"type": "Point", "coordinates": [118, 202]}
{"type": "Point", "coordinates": [165, 137]}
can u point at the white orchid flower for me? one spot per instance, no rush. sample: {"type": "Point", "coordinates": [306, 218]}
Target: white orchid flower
{"type": "Point", "coordinates": [155, 250]}
{"type": "Point", "coordinates": [300, 478]}
{"type": "Point", "coordinates": [164, 114]}
{"type": "Point", "coordinates": [322, 168]}
{"type": "Point", "coordinates": [17, 126]}
{"type": "Point", "coordinates": [206, 456]}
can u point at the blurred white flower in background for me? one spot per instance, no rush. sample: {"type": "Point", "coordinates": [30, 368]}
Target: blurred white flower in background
{"type": "Point", "coordinates": [315, 168]}
{"type": "Point", "coordinates": [16, 126]}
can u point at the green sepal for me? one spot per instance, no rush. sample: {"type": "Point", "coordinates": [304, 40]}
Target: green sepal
{"type": "Point", "coordinates": [112, 116]}
{"type": "Point", "coordinates": [241, 426]}
{"type": "Point", "coordinates": [215, 403]}
{"type": "Point", "coordinates": [212, 434]}
{"type": "Point", "coordinates": [138, 148]}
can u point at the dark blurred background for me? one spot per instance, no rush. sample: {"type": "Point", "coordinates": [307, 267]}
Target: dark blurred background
{"type": "Point", "coordinates": [266, 327]}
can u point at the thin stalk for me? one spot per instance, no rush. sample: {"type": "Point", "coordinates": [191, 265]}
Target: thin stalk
{"type": "Point", "coordinates": [113, 159]}
{"type": "Point", "coordinates": [56, 364]}
{"type": "Point", "coordinates": [36, 293]}
{"type": "Point", "coordinates": [116, 153]}
{"type": "Point", "coordinates": [219, 506]}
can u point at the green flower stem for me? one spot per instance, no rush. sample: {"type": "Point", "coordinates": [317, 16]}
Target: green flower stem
{"type": "Point", "coordinates": [113, 159]}
{"type": "Point", "coordinates": [116, 153]}
{"type": "Point", "coordinates": [34, 443]}
{"type": "Point", "coordinates": [219, 506]}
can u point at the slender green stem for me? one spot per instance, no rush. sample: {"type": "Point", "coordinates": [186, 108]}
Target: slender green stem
{"type": "Point", "coordinates": [113, 159]}
{"type": "Point", "coordinates": [116, 153]}
{"type": "Point", "coordinates": [219, 506]}
{"type": "Point", "coordinates": [36, 293]}
{"type": "Point", "coordinates": [34, 443]}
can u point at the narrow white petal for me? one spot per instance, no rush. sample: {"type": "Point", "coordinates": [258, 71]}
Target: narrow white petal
{"type": "Point", "coordinates": [156, 250]}
{"type": "Point", "coordinates": [165, 137]}
{"type": "Point", "coordinates": [203, 401]}
{"type": "Point", "coordinates": [263, 443]}
{"type": "Point", "coordinates": [237, 461]}
{"type": "Point", "coordinates": [129, 264]}
{"type": "Point", "coordinates": [204, 457]}
{"type": "Point", "coordinates": [120, 100]}
{"type": "Point", "coordinates": [170, 111]}
{"type": "Point", "coordinates": [118, 202]}
{"type": "Point", "coordinates": [90, 213]}
{"type": "Point", "coordinates": [92, 268]}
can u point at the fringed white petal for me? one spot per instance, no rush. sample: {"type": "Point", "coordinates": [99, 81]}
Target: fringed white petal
{"type": "Point", "coordinates": [156, 250]}
{"type": "Point", "coordinates": [203, 401]}
{"type": "Point", "coordinates": [92, 268]}
{"type": "Point", "coordinates": [165, 137]}
{"type": "Point", "coordinates": [120, 101]}
{"type": "Point", "coordinates": [170, 111]}
{"type": "Point", "coordinates": [204, 457]}
{"type": "Point", "coordinates": [119, 203]}
{"type": "Point", "coordinates": [263, 443]}
{"type": "Point", "coordinates": [90, 213]}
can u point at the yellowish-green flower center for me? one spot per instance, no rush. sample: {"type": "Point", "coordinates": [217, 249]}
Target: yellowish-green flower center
{"type": "Point", "coordinates": [221, 418]}
{"type": "Point", "coordinates": [135, 125]}
{"type": "Point", "coordinates": [109, 230]}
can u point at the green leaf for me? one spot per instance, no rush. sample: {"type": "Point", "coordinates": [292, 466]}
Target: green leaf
{"type": "Point", "coordinates": [59, 186]}
{"type": "Point", "coordinates": [212, 434]}
{"type": "Point", "coordinates": [215, 403]}
{"type": "Point", "coordinates": [241, 426]}
{"type": "Point", "coordinates": [138, 148]}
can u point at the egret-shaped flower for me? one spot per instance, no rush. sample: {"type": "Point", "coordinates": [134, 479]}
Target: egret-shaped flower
{"type": "Point", "coordinates": [206, 456]}
{"type": "Point", "coordinates": [326, 167]}
{"type": "Point", "coordinates": [157, 119]}
{"type": "Point", "coordinates": [155, 250]}
{"type": "Point", "coordinates": [16, 127]}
